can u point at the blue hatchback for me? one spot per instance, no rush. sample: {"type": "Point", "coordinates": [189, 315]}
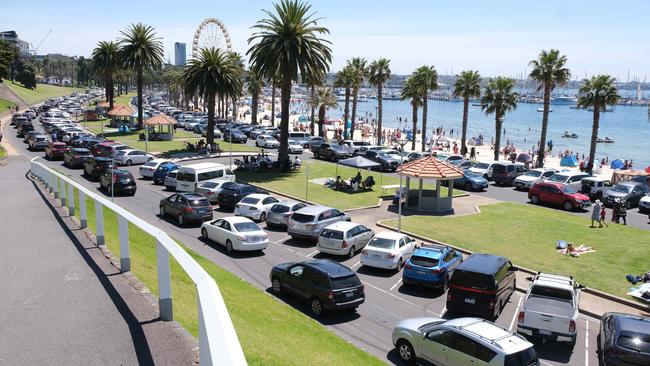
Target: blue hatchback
{"type": "Point", "coordinates": [161, 172]}
{"type": "Point", "coordinates": [431, 266]}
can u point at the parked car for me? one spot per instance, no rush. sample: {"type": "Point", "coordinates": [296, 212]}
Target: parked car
{"type": "Point", "coordinates": [123, 181]}
{"type": "Point", "coordinates": [294, 147]}
{"type": "Point", "coordinates": [388, 250]}
{"type": "Point", "coordinates": [96, 166]}
{"type": "Point", "coordinates": [24, 128]}
{"type": "Point", "coordinates": [416, 155]}
{"type": "Point", "coordinates": [461, 341]}
{"type": "Point", "coordinates": [236, 233]}
{"type": "Point", "coordinates": [630, 192]}
{"type": "Point", "coordinates": [267, 141]}
{"type": "Point", "coordinates": [481, 286]}
{"type": "Point", "coordinates": [644, 204]}
{"type": "Point", "coordinates": [38, 142]}
{"type": "Point", "coordinates": [332, 152]}
{"type": "Point", "coordinates": [230, 196]}
{"type": "Point", "coordinates": [255, 206]}
{"type": "Point", "coordinates": [344, 238]}
{"type": "Point", "coordinates": [190, 176]}
{"type": "Point", "coordinates": [280, 212]}
{"type": "Point", "coordinates": [55, 150]}
{"type": "Point", "coordinates": [506, 173]}
{"type": "Point", "coordinates": [186, 207]}
{"type": "Point", "coordinates": [550, 308]}
{"type": "Point", "coordinates": [210, 189]}
{"type": "Point", "coordinates": [595, 187]}
{"type": "Point", "coordinates": [75, 157]}
{"type": "Point", "coordinates": [233, 135]}
{"type": "Point", "coordinates": [470, 181]}
{"type": "Point", "coordinates": [29, 135]}
{"type": "Point", "coordinates": [132, 156]}
{"type": "Point", "coordinates": [431, 266]}
{"type": "Point", "coordinates": [527, 180]}
{"type": "Point", "coordinates": [326, 285]}
{"type": "Point", "coordinates": [315, 142]}
{"type": "Point", "coordinates": [572, 179]}
{"type": "Point", "coordinates": [624, 340]}
{"type": "Point", "coordinates": [485, 169]}
{"type": "Point", "coordinates": [388, 162]}
{"type": "Point", "coordinates": [149, 168]}
{"type": "Point", "coordinates": [301, 138]}
{"type": "Point", "coordinates": [559, 195]}
{"type": "Point", "coordinates": [162, 170]}
{"type": "Point", "coordinates": [307, 222]}
{"type": "Point", "coordinates": [170, 180]}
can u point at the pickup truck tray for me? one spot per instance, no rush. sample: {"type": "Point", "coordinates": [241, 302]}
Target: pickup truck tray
{"type": "Point", "coordinates": [549, 306]}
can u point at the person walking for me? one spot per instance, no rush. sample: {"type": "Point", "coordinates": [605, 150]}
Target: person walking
{"type": "Point", "coordinates": [622, 211]}
{"type": "Point", "coordinates": [603, 216]}
{"type": "Point", "coordinates": [595, 214]}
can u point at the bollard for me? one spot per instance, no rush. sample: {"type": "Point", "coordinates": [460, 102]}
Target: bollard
{"type": "Point", "coordinates": [99, 222]}
{"type": "Point", "coordinates": [62, 193]}
{"type": "Point", "coordinates": [125, 254]}
{"type": "Point", "coordinates": [83, 215]}
{"type": "Point", "coordinates": [164, 283]}
{"type": "Point", "coordinates": [70, 200]}
{"type": "Point", "coordinates": [55, 185]}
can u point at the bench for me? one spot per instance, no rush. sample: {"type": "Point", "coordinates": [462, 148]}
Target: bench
{"type": "Point", "coordinates": [387, 187]}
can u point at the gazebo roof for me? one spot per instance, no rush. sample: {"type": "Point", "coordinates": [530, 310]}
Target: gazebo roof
{"type": "Point", "coordinates": [120, 110]}
{"type": "Point", "coordinates": [430, 167]}
{"type": "Point", "coordinates": [160, 120]}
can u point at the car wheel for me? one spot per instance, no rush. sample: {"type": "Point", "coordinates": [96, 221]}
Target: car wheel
{"type": "Point", "coordinates": [333, 158]}
{"type": "Point", "coordinates": [229, 247]}
{"type": "Point", "coordinates": [276, 285]}
{"type": "Point", "coordinates": [468, 186]}
{"type": "Point", "coordinates": [400, 264]}
{"type": "Point", "coordinates": [180, 219]}
{"type": "Point", "coordinates": [568, 206]}
{"type": "Point", "coordinates": [316, 156]}
{"type": "Point", "coordinates": [445, 284]}
{"type": "Point", "coordinates": [263, 217]}
{"type": "Point", "coordinates": [129, 162]}
{"type": "Point", "coordinates": [534, 199]}
{"type": "Point", "coordinates": [204, 234]}
{"type": "Point", "coordinates": [109, 189]}
{"type": "Point", "coordinates": [316, 306]}
{"type": "Point", "coordinates": [405, 350]}
{"type": "Point", "coordinates": [352, 252]}
{"type": "Point", "coordinates": [628, 204]}
{"type": "Point", "coordinates": [162, 211]}
{"type": "Point", "coordinates": [486, 177]}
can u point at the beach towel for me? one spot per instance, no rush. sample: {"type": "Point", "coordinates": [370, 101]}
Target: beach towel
{"type": "Point", "coordinates": [641, 292]}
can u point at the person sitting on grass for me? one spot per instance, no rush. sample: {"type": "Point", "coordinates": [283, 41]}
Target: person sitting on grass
{"type": "Point", "coordinates": [368, 183]}
{"type": "Point", "coordinates": [340, 184]}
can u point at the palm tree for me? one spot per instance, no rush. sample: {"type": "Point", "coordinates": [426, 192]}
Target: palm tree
{"type": "Point", "coordinates": [287, 42]}
{"type": "Point", "coordinates": [426, 79]}
{"type": "Point", "coordinates": [313, 81]}
{"type": "Point", "coordinates": [549, 71]}
{"type": "Point", "coordinates": [498, 98]}
{"type": "Point", "coordinates": [106, 61]}
{"type": "Point", "coordinates": [345, 79]}
{"type": "Point", "coordinates": [274, 88]}
{"type": "Point", "coordinates": [323, 99]}
{"type": "Point", "coordinates": [597, 93]}
{"type": "Point", "coordinates": [255, 84]}
{"type": "Point", "coordinates": [467, 86]}
{"type": "Point", "coordinates": [359, 72]}
{"type": "Point", "coordinates": [212, 72]}
{"type": "Point", "coordinates": [140, 50]}
{"type": "Point", "coordinates": [411, 92]}
{"type": "Point", "coordinates": [379, 73]}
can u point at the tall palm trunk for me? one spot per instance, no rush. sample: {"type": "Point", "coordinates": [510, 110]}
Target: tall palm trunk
{"type": "Point", "coordinates": [254, 101]}
{"type": "Point", "coordinates": [414, 118]}
{"type": "Point", "coordinates": [234, 109]}
{"type": "Point", "coordinates": [542, 139]}
{"type": "Point", "coordinates": [285, 103]}
{"type": "Point", "coordinates": [355, 96]}
{"type": "Point", "coordinates": [321, 120]}
{"type": "Point", "coordinates": [209, 132]}
{"type": "Point", "coordinates": [218, 102]}
{"type": "Point", "coordinates": [111, 92]}
{"type": "Point", "coordinates": [313, 111]}
{"type": "Point", "coordinates": [594, 137]}
{"type": "Point", "coordinates": [425, 111]}
{"type": "Point", "coordinates": [139, 97]}
{"type": "Point", "coordinates": [497, 139]}
{"type": "Point", "coordinates": [273, 104]}
{"type": "Point", "coordinates": [380, 98]}
{"type": "Point", "coordinates": [463, 138]}
{"type": "Point", "coordinates": [346, 113]}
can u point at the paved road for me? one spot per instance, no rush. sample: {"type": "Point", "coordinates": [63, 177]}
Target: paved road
{"type": "Point", "coordinates": [387, 300]}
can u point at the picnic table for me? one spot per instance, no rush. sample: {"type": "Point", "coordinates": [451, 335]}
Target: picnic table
{"type": "Point", "coordinates": [387, 187]}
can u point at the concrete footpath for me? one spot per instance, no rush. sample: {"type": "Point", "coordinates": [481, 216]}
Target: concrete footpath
{"type": "Point", "coordinates": [61, 301]}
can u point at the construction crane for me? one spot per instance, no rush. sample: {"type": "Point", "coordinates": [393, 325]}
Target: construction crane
{"type": "Point", "coordinates": [35, 49]}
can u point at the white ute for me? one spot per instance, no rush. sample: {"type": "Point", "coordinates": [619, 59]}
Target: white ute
{"type": "Point", "coordinates": [550, 308]}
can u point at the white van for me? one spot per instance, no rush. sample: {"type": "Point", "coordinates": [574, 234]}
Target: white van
{"type": "Point", "coordinates": [189, 176]}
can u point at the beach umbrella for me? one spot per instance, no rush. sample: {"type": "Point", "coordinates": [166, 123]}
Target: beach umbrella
{"type": "Point", "coordinates": [616, 164]}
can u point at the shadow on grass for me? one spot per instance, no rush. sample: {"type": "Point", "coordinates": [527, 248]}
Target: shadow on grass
{"type": "Point", "coordinates": [328, 318]}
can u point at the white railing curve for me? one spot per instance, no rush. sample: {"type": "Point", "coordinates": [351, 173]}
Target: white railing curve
{"type": "Point", "coordinates": [218, 342]}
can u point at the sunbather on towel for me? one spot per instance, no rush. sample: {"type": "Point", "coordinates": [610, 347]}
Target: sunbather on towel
{"type": "Point", "coordinates": [576, 251]}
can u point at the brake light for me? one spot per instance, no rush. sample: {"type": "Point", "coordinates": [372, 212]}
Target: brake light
{"type": "Point", "coordinates": [390, 255]}
{"type": "Point", "coordinates": [572, 326]}
{"type": "Point", "coordinates": [434, 271]}
{"type": "Point", "coordinates": [330, 295]}
{"type": "Point", "coordinates": [344, 244]}
{"type": "Point", "coordinates": [188, 209]}
{"type": "Point", "coordinates": [521, 317]}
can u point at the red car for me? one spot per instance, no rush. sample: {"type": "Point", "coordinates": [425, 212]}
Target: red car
{"type": "Point", "coordinates": [55, 150]}
{"type": "Point", "coordinates": [558, 194]}
{"type": "Point", "coordinates": [97, 149]}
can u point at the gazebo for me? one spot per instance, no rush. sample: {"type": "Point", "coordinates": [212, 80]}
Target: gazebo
{"type": "Point", "coordinates": [426, 199]}
{"type": "Point", "coordinates": [161, 120]}
{"type": "Point", "coordinates": [120, 114]}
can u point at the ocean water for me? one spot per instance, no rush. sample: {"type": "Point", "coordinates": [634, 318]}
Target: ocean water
{"type": "Point", "coordinates": [629, 126]}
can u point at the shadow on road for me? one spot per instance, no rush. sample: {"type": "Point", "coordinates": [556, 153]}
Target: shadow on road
{"type": "Point", "coordinates": [328, 318]}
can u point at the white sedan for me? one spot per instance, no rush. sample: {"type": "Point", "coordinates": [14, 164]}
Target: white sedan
{"type": "Point", "coordinates": [294, 147]}
{"type": "Point", "coordinates": [147, 170]}
{"type": "Point", "coordinates": [235, 233]}
{"type": "Point", "coordinates": [255, 206]}
{"type": "Point", "coordinates": [267, 141]}
{"type": "Point", "coordinates": [132, 156]}
{"type": "Point", "coordinates": [388, 249]}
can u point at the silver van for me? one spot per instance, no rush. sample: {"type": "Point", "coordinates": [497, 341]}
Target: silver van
{"type": "Point", "coordinates": [300, 137]}
{"type": "Point", "coordinates": [308, 222]}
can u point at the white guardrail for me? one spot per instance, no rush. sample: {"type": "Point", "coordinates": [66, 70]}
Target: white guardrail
{"type": "Point", "coordinates": [218, 342]}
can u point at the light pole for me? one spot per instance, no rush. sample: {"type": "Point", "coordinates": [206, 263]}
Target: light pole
{"type": "Point", "coordinates": [230, 148]}
{"type": "Point", "coordinates": [401, 143]}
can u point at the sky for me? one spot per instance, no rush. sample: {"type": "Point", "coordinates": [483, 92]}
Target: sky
{"type": "Point", "coordinates": [496, 37]}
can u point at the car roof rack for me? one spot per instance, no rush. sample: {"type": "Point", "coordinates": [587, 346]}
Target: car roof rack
{"type": "Point", "coordinates": [433, 246]}
{"type": "Point", "coordinates": [492, 341]}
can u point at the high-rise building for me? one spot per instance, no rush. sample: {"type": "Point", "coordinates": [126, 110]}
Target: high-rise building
{"type": "Point", "coordinates": [179, 54]}
{"type": "Point", "coordinates": [12, 38]}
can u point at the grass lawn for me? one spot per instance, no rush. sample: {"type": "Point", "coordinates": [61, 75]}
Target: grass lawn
{"type": "Point", "coordinates": [124, 98]}
{"type": "Point", "coordinates": [270, 332]}
{"type": "Point", "coordinates": [527, 235]}
{"type": "Point", "coordinates": [294, 183]}
{"type": "Point", "coordinates": [41, 93]}
{"type": "Point", "coordinates": [3, 153]}
{"type": "Point", "coordinates": [5, 105]}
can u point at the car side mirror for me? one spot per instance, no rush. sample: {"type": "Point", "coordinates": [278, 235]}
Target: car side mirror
{"type": "Point", "coordinates": [529, 278]}
{"type": "Point", "coordinates": [582, 287]}
{"type": "Point", "coordinates": [513, 269]}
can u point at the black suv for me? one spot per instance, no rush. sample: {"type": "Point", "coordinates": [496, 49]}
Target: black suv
{"type": "Point", "coordinates": [76, 157]}
{"type": "Point", "coordinates": [123, 181]}
{"type": "Point", "coordinates": [388, 164]}
{"type": "Point", "coordinates": [327, 285]}
{"type": "Point", "coordinates": [24, 128]}
{"type": "Point", "coordinates": [624, 339]}
{"type": "Point", "coordinates": [505, 173]}
{"type": "Point", "coordinates": [96, 166]}
{"type": "Point", "coordinates": [333, 152]}
{"type": "Point", "coordinates": [481, 286]}
{"type": "Point", "coordinates": [231, 195]}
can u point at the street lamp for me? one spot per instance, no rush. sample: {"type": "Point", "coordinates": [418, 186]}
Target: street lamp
{"type": "Point", "coordinates": [401, 143]}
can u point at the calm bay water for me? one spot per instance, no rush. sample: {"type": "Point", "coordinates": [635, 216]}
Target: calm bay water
{"type": "Point", "coordinates": [629, 126]}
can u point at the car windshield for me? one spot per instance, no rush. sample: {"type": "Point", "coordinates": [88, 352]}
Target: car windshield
{"type": "Point", "coordinates": [469, 173]}
{"type": "Point", "coordinates": [623, 189]}
{"type": "Point", "coordinates": [243, 227]}
{"type": "Point", "coordinates": [280, 208]}
{"type": "Point", "coordinates": [209, 185]}
{"type": "Point", "coordinates": [526, 357]}
{"type": "Point", "coordinates": [382, 243]}
{"type": "Point", "coordinates": [337, 147]}
{"type": "Point", "coordinates": [533, 173]}
{"type": "Point", "coordinates": [552, 292]}
{"type": "Point", "coordinates": [331, 234]}
{"type": "Point", "coordinates": [250, 200]}
{"type": "Point", "coordinates": [569, 190]}
{"type": "Point", "coordinates": [561, 178]}
{"type": "Point", "coordinates": [421, 261]}
{"type": "Point", "coordinates": [472, 280]}
{"type": "Point", "coordinates": [634, 340]}
{"type": "Point", "coordinates": [482, 166]}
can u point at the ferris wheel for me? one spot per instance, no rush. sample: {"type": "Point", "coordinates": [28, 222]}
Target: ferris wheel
{"type": "Point", "coordinates": [211, 33]}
